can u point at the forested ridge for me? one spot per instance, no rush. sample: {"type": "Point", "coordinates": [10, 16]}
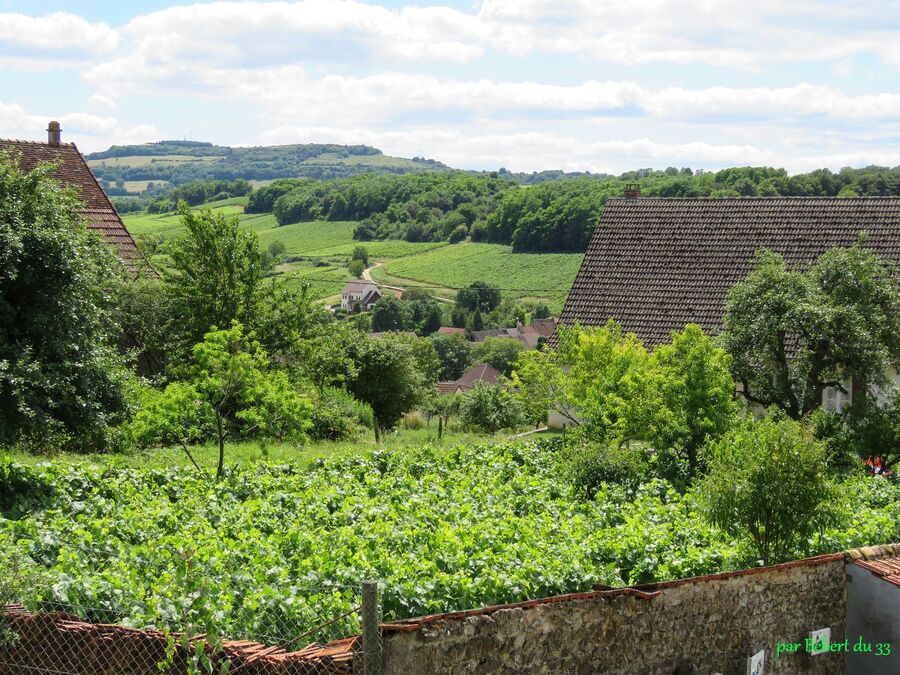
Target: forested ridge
{"type": "Point", "coordinates": [555, 215]}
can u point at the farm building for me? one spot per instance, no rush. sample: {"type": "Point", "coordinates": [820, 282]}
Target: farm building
{"type": "Point", "coordinates": [656, 265]}
{"type": "Point", "coordinates": [530, 335]}
{"type": "Point", "coordinates": [362, 294]}
{"type": "Point", "coordinates": [72, 170]}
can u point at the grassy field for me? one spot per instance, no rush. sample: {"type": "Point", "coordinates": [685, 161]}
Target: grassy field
{"type": "Point", "coordinates": [441, 266]}
{"type": "Point", "coordinates": [147, 160]}
{"type": "Point", "coordinates": [254, 452]}
{"type": "Point", "coordinates": [522, 275]}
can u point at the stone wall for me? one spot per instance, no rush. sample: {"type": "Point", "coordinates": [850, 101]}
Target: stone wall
{"type": "Point", "coordinates": [702, 625]}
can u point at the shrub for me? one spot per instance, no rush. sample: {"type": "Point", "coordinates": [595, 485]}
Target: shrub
{"type": "Point", "coordinates": [459, 233]}
{"type": "Point", "coordinates": [412, 420]}
{"type": "Point", "coordinates": [490, 407]}
{"type": "Point", "coordinates": [356, 268]}
{"type": "Point", "coordinates": [768, 481]}
{"type": "Point", "coordinates": [337, 416]}
{"type": "Point", "coordinates": [588, 466]}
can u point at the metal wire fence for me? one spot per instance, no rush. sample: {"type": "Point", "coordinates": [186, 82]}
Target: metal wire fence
{"type": "Point", "coordinates": [49, 627]}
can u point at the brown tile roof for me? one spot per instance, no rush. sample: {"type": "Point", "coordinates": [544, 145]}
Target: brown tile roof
{"type": "Point", "coordinates": [480, 372]}
{"type": "Point", "coordinates": [881, 560]}
{"type": "Point", "coordinates": [72, 170]}
{"type": "Point", "coordinates": [450, 330]}
{"type": "Point", "coordinates": [655, 265]}
{"type": "Point", "coordinates": [446, 387]}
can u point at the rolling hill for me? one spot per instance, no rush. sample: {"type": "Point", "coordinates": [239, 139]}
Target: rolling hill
{"type": "Point", "coordinates": [177, 162]}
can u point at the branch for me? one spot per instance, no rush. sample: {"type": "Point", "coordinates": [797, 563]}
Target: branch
{"type": "Point", "coordinates": [191, 457]}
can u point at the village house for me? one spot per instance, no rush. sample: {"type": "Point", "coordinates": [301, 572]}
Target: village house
{"type": "Point", "coordinates": [72, 171]}
{"type": "Point", "coordinates": [359, 295]}
{"type": "Point", "coordinates": [480, 372]}
{"type": "Point", "coordinates": [656, 265]}
{"type": "Point", "coordinates": [531, 336]}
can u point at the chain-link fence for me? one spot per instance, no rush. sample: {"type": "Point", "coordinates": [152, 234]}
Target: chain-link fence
{"type": "Point", "coordinates": [47, 626]}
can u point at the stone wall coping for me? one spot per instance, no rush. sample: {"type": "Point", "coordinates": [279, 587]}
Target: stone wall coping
{"type": "Point", "coordinates": [409, 625]}
{"type": "Point", "coordinates": [641, 591]}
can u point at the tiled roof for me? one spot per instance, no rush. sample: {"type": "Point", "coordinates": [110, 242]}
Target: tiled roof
{"type": "Point", "coordinates": [358, 286]}
{"type": "Point", "coordinates": [72, 170]}
{"type": "Point", "coordinates": [881, 560]}
{"type": "Point", "coordinates": [655, 265]}
{"type": "Point", "coordinates": [446, 387]}
{"type": "Point", "coordinates": [483, 372]}
{"type": "Point", "coordinates": [450, 330]}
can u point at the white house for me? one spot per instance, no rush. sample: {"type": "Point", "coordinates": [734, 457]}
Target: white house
{"type": "Point", "coordinates": [359, 294]}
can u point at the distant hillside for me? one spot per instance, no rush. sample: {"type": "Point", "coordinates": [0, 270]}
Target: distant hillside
{"type": "Point", "coordinates": [177, 162]}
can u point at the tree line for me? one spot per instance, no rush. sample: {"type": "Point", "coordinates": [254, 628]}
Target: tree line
{"type": "Point", "coordinates": [558, 214]}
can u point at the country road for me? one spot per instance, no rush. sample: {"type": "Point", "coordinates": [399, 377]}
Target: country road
{"type": "Point", "coordinates": [368, 277]}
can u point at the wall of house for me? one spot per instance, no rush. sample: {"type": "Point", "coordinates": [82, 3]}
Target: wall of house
{"type": "Point", "coordinates": [873, 616]}
{"type": "Point", "coordinates": [707, 625]}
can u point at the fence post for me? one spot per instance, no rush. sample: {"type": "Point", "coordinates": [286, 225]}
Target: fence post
{"type": "Point", "coordinates": [371, 631]}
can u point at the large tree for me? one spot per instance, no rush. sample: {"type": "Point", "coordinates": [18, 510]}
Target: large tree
{"type": "Point", "coordinates": [387, 377]}
{"type": "Point", "coordinates": [215, 275]}
{"type": "Point", "coordinates": [793, 333]}
{"type": "Point", "coordinates": [61, 380]}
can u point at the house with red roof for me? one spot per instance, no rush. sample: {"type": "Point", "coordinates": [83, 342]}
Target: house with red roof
{"type": "Point", "coordinates": [72, 170]}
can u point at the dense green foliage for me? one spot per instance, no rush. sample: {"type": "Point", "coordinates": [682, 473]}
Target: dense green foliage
{"type": "Point", "coordinates": [215, 275]}
{"type": "Point", "coordinates": [387, 377]}
{"type": "Point", "coordinates": [274, 546]}
{"type": "Point", "coordinates": [768, 479]}
{"type": "Point", "coordinates": [673, 399]}
{"type": "Point", "coordinates": [560, 215]}
{"type": "Point", "coordinates": [415, 207]}
{"type": "Point", "coordinates": [62, 383]}
{"type": "Point", "coordinates": [229, 389]}
{"type": "Point", "coordinates": [490, 407]}
{"type": "Point", "coordinates": [793, 333]}
{"type": "Point", "coordinates": [501, 353]}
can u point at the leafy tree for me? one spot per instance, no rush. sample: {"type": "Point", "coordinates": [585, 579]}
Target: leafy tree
{"type": "Point", "coordinates": [277, 248]}
{"type": "Point", "coordinates": [490, 407]}
{"type": "Point", "coordinates": [360, 253]}
{"type": "Point", "coordinates": [428, 363]}
{"type": "Point", "coordinates": [442, 406]}
{"type": "Point", "coordinates": [326, 355]}
{"type": "Point", "coordinates": [142, 313]}
{"type": "Point", "coordinates": [454, 351]}
{"type": "Point", "coordinates": [387, 378]}
{"type": "Point", "coordinates": [792, 334]}
{"type": "Point", "coordinates": [215, 274]}
{"type": "Point", "coordinates": [229, 388]}
{"type": "Point", "coordinates": [479, 295]}
{"type": "Point", "coordinates": [425, 315]}
{"type": "Point", "coordinates": [768, 480]}
{"type": "Point", "coordinates": [501, 353]}
{"type": "Point", "coordinates": [390, 314]}
{"type": "Point", "coordinates": [356, 268]}
{"type": "Point", "coordinates": [62, 382]}
{"type": "Point", "coordinates": [697, 387]}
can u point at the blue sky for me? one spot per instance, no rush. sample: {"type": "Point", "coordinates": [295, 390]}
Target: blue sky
{"type": "Point", "coordinates": [525, 84]}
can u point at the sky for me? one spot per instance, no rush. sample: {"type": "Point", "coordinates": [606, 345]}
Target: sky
{"type": "Point", "coordinates": [578, 85]}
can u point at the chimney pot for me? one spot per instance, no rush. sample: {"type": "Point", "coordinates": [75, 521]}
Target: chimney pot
{"type": "Point", "coordinates": [54, 133]}
{"type": "Point", "coordinates": [632, 190]}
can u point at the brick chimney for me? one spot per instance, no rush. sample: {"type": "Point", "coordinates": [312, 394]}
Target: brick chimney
{"type": "Point", "coordinates": [54, 133]}
{"type": "Point", "coordinates": [632, 190]}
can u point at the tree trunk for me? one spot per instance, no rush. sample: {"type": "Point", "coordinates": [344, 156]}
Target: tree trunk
{"type": "Point", "coordinates": [440, 427]}
{"type": "Point", "coordinates": [377, 430]}
{"type": "Point", "coordinates": [220, 469]}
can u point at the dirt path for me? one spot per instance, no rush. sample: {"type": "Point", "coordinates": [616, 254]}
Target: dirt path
{"type": "Point", "coordinates": [366, 275]}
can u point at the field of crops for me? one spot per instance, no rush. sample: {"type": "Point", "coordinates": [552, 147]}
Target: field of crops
{"type": "Point", "coordinates": [444, 530]}
{"type": "Point", "coordinates": [536, 275]}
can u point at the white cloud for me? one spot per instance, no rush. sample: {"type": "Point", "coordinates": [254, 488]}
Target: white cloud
{"type": "Point", "coordinates": [102, 103]}
{"type": "Point", "coordinates": [48, 36]}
